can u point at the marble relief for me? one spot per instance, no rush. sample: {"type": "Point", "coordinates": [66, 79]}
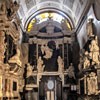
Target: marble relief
{"type": "Point", "coordinates": [92, 83]}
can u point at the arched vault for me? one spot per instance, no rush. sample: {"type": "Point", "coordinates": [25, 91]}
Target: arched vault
{"type": "Point", "coordinates": [71, 9]}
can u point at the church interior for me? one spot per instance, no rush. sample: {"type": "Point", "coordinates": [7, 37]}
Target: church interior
{"type": "Point", "coordinates": [49, 50]}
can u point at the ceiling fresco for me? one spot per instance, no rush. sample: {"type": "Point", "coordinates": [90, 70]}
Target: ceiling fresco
{"type": "Point", "coordinates": [73, 9]}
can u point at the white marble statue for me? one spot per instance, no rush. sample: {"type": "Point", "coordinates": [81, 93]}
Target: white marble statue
{"type": "Point", "coordinates": [48, 52]}
{"type": "Point", "coordinates": [60, 64]}
{"type": "Point", "coordinates": [92, 83]}
{"type": "Point", "coordinates": [81, 60]}
{"type": "Point", "coordinates": [90, 28]}
{"type": "Point", "coordinates": [16, 58]}
{"type": "Point", "coordinates": [29, 70]}
{"type": "Point", "coordinates": [40, 66]}
{"type": "Point", "coordinates": [70, 71]}
{"type": "Point", "coordinates": [42, 49]}
{"type": "Point", "coordinates": [57, 45]}
{"type": "Point", "coordinates": [86, 63]}
{"type": "Point", "coordinates": [94, 51]}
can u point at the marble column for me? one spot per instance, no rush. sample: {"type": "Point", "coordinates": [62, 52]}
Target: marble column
{"type": "Point", "coordinates": [52, 95]}
{"type": "Point", "coordinates": [48, 95]}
